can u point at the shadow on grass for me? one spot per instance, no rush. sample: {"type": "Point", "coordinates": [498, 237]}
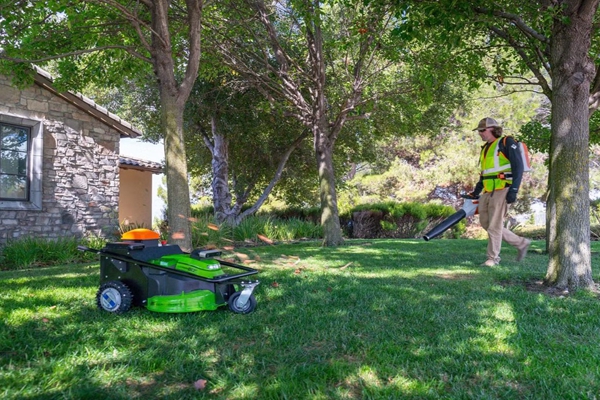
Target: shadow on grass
{"type": "Point", "coordinates": [371, 319]}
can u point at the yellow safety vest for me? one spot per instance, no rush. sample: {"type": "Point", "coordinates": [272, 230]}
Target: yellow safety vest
{"type": "Point", "coordinates": [495, 168]}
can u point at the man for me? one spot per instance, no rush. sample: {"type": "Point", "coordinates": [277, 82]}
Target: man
{"type": "Point", "coordinates": [501, 173]}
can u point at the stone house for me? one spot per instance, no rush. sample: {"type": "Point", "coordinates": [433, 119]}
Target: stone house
{"type": "Point", "coordinates": [59, 162]}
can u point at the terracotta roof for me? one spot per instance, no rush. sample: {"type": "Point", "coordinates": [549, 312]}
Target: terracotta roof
{"type": "Point", "coordinates": [44, 79]}
{"type": "Point", "coordinates": [141, 165]}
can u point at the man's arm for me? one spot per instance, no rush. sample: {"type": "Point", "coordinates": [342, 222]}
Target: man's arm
{"type": "Point", "coordinates": [511, 150]}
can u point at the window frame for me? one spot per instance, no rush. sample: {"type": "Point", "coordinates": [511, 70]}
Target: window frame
{"type": "Point", "coordinates": [34, 161]}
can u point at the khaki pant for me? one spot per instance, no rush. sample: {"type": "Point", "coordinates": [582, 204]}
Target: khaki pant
{"type": "Point", "coordinates": [492, 208]}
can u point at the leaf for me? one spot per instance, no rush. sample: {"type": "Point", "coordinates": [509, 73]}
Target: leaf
{"type": "Point", "coordinates": [347, 265]}
{"type": "Point", "coordinates": [229, 248]}
{"type": "Point", "coordinates": [242, 256]}
{"type": "Point", "coordinates": [200, 384]}
{"type": "Point", "coordinates": [212, 226]}
{"type": "Point", "coordinates": [275, 284]}
{"type": "Point", "coordinates": [265, 239]}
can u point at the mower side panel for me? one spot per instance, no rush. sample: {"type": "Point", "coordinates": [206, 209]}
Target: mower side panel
{"type": "Point", "coordinates": [197, 300]}
{"type": "Point", "coordinates": [113, 269]}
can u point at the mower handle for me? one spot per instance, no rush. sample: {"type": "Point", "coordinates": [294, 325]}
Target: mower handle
{"type": "Point", "coordinates": [85, 248]}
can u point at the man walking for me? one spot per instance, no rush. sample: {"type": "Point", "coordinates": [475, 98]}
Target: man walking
{"type": "Point", "coordinates": [501, 173]}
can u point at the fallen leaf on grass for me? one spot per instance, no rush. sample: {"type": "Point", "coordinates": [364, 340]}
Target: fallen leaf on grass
{"type": "Point", "coordinates": [347, 265]}
{"type": "Point", "coordinates": [200, 384]}
{"type": "Point", "coordinates": [265, 239]}
{"type": "Point", "coordinates": [46, 320]}
{"type": "Point", "coordinates": [228, 248]}
{"type": "Point", "coordinates": [242, 256]}
{"type": "Point", "coordinates": [213, 227]}
{"type": "Point", "coordinates": [275, 284]}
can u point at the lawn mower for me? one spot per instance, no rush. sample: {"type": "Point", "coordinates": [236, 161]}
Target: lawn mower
{"type": "Point", "coordinates": [141, 271]}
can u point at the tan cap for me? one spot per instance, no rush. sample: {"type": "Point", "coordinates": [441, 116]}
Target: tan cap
{"type": "Point", "coordinates": [487, 123]}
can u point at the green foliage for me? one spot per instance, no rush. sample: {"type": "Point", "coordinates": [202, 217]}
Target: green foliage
{"type": "Point", "coordinates": [537, 136]}
{"type": "Point", "coordinates": [416, 210]}
{"type": "Point", "coordinates": [399, 220]}
{"type": "Point", "coordinates": [30, 252]}
{"type": "Point", "coordinates": [293, 212]}
{"type": "Point", "coordinates": [206, 232]}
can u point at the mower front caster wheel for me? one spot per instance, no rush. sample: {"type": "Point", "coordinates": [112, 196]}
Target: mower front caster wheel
{"type": "Point", "coordinates": [241, 309]}
{"type": "Point", "coordinates": [114, 297]}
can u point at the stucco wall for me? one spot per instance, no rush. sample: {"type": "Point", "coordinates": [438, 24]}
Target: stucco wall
{"type": "Point", "coordinates": [135, 204]}
{"type": "Point", "coordinates": [79, 171]}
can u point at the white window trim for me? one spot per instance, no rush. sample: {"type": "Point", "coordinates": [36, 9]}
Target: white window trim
{"type": "Point", "coordinates": [36, 158]}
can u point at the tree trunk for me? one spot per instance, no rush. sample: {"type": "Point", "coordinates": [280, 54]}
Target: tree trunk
{"type": "Point", "coordinates": [330, 221]}
{"type": "Point", "coordinates": [568, 215]}
{"type": "Point", "coordinates": [173, 97]}
{"type": "Point", "coordinates": [178, 192]}
{"type": "Point", "coordinates": [220, 172]}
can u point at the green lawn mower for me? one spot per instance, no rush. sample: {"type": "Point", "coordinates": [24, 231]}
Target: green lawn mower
{"type": "Point", "coordinates": [139, 271]}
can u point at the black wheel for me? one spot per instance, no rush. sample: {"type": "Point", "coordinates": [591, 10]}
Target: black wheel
{"type": "Point", "coordinates": [241, 309]}
{"type": "Point", "coordinates": [114, 297]}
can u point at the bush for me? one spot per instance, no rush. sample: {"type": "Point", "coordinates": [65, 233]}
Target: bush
{"type": "Point", "coordinates": [399, 220]}
{"type": "Point", "coordinates": [206, 232]}
{"type": "Point", "coordinates": [31, 252]}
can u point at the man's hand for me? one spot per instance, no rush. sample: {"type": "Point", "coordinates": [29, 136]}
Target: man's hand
{"type": "Point", "coordinates": [511, 196]}
{"type": "Point", "coordinates": [470, 195]}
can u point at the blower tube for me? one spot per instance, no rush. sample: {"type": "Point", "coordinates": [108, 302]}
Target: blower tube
{"type": "Point", "coordinates": [445, 224]}
{"type": "Point", "coordinates": [469, 209]}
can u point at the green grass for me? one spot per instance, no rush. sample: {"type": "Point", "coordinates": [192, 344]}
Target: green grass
{"type": "Point", "coordinates": [378, 319]}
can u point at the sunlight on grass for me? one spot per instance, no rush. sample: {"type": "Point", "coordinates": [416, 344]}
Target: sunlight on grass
{"type": "Point", "coordinates": [387, 319]}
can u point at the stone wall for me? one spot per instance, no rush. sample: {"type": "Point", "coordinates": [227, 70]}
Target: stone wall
{"type": "Point", "coordinates": [79, 169]}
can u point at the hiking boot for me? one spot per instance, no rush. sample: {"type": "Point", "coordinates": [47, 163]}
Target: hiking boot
{"type": "Point", "coordinates": [489, 263]}
{"type": "Point", "coordinates": [522, 251]}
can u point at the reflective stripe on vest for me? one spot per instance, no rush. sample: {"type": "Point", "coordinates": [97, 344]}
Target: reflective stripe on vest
{"type": "Point", "coordinates": [494, 162]}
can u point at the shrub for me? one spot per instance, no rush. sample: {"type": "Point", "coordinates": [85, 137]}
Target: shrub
{"type": "Point", "coordinates": [28, 252]}
{"type": "Point", "coordinates": [399, 220]}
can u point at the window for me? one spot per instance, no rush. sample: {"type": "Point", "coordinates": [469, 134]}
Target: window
{"type": "Point", "coordinates": [14, 150]}
{"type": "Point", "coordinates": [21, 157]}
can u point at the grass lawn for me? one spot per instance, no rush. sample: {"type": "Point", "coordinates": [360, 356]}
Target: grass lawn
{"type": "Point", "coordinates": [379, 319]}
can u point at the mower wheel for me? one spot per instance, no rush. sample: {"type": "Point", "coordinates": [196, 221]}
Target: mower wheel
{"type": "Point", "coordinates": [246, 308]}
{"type": "Point", "coordinates": [114, 297]}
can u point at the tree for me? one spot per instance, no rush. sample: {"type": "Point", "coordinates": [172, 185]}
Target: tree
{"type": "Point", "coordinates": [248, 145]}
{"type": "Point", "coordinates": [106, 41]}
{"type": "Point", "coordinates": [551, 40]}
{"type": "Point", "coordinates": [321, 59]}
